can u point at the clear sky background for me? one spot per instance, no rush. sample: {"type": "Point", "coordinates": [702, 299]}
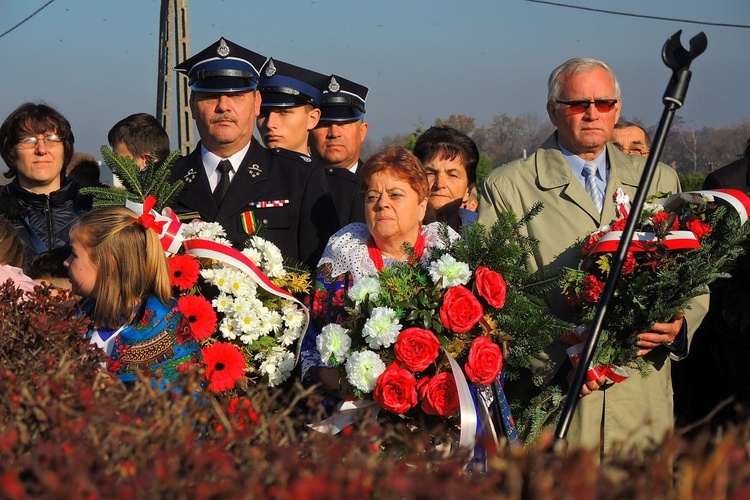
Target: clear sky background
{"type": "Point", "coordinates": [96, 60]}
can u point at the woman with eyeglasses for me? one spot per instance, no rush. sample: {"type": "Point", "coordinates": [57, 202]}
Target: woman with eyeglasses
{"type": "Point", "coordinates": [36, 143]}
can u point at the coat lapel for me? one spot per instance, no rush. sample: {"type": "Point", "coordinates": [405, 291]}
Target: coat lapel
{"type": "Point", "coordinates": [554, 172]}
{"type": "Point", "coordinates": [198, 195]}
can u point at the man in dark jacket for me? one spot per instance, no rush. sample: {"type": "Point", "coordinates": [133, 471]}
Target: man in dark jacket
{"type": "Point", "coordinates": [337, 142]}
{"type": "Point", "coordinates": [233, 180]}
{"type": "Point", "coordinates": [36, 142]}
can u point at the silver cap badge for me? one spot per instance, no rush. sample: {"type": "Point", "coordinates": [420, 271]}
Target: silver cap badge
{"type": "Point", "coordinates": [222, 50]}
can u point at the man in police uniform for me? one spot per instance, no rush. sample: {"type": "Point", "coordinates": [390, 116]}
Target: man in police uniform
{"type": "Point", "coordinates": [233, 180]}
{"type": "Point", "coordinates": [290, 105]}
{"type": "Point", "coordinates": [337, 141]}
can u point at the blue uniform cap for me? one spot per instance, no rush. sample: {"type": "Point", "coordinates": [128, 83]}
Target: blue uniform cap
{"type": "Point", "coordinates": [343, 100]}
{"type": "Point", "coordinates": [224, 66]}
{"type": "Point", "coordinates": [285, 85]}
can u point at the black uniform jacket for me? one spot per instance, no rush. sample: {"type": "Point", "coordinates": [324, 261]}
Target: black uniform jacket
{"type": "Point", "coordinates": [284, 193]}
{"type": "Point", "coordinates": [344, 186]}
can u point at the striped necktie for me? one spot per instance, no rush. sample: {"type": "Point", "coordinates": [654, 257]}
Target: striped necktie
{"type": "Point", "coordinates": [589, 174]}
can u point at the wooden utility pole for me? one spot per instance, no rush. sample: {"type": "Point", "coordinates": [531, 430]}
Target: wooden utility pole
{"type": "Point", "coordinates": [173, 24]}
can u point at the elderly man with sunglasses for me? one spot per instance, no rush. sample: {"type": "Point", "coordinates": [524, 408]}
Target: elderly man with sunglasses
{"type": "Point", "coordinates": [576, 173]}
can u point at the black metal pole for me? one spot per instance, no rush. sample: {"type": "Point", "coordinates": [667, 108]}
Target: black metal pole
{"type": "Point", "coordinates": [678, 59]}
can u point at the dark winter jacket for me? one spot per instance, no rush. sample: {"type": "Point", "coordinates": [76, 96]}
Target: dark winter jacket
{"type": "Point", "coordinates": [42, 221]}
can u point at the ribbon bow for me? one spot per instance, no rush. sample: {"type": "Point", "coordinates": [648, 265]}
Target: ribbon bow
{"type": "Point", "coordinates": [147, 219]}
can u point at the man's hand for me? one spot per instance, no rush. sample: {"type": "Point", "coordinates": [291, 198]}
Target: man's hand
{"type": "Point", "coordinates": [588, 386]}
{"type": "Point", "coordinates": [661, 333]}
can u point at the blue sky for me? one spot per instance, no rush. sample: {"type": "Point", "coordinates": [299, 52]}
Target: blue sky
{"type": "Point", "coordinates": [96, 61]}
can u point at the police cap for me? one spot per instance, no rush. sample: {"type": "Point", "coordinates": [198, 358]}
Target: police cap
{"type": "Point", "coordinates": [222, 67]}
{"type": "Point", "coordinates": [284, 85]}
{"type": "Point", "coordinates": [343, 100]}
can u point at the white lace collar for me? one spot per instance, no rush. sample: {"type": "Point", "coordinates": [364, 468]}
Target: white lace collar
{"type": "Point", "coordinates": [347, 249]}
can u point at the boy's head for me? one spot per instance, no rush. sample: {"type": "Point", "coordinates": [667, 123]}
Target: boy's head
{"type": "Point", "coordinates": [139, 136]}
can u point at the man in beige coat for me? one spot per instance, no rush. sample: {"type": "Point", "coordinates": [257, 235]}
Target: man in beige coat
{"type": "Point", "coordinates": [584, 103]}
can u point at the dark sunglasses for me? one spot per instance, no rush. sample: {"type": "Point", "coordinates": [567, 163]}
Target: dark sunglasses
{"type": "Point", "coordinates": [580, 106]}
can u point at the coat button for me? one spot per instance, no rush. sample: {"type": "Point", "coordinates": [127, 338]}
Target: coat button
{"type": "Point", "coordinates": [265, 221]}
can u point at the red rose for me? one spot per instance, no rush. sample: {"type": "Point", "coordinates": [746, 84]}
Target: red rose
{"type": "Point", "coordinates": [699, 228]}
{"type": "Point", "coordinates": [485, 361]}
{"type": "Point", "coordinates": [416, 348]}
{"type": "Point", "coordinates": [629, 265]}
{"type": "Point", "coordinates": [460, 310]}
{"type": "Point", "coordinates": [592, 288]}
{"type": "Point", "coordinates": [491, 286]}
{"type": "Point", "coordinates": [396, 389]}
{"type": "Point", "coordinates": [440, 395]}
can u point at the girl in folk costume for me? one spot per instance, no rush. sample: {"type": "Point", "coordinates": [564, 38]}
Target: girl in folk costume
{"type": "Point", "coordinates": [118, 264]}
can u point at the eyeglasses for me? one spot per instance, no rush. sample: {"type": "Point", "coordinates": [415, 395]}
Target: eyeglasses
{"type": "Point", "coordinates": [580, 106]}
{"type": "Point", "coordinates": [633, 150]}
{"type": "Point", "coordinates": [50, 141]}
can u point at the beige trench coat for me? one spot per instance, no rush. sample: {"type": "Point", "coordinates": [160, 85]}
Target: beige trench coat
{"type": "Point", "coordinates": [638, 410]}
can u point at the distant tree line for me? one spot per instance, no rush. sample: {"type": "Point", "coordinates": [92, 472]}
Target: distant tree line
{"type": "Point", "coordinates": [693, 151]}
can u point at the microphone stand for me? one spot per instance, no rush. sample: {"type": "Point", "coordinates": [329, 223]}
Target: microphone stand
{"type": "Point", "coordinates": [678, 59]}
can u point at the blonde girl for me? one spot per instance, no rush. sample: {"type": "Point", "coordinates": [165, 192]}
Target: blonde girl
{"type": "Point", "coordinates": [118, 264]}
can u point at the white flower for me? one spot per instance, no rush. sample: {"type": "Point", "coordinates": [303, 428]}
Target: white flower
{"type": "Point", "coordinates": [222, 279]}
{"type": "Point", "coordinates": [275, 269]}
{"type": "Point", "coordinates": [204, 230]}
{"type": "Point", "coordinates": [293, 315]}
{"type": "Point", "coordinates": [248, 322]}
{"type": "Point", "coordinates": [222, 303]}
{"type": "Point", "coordinates": [289, 336]}
{"type": "Point", "coordinates": [381, 328]}
{"type": "Point", "coordinates": [652, 208]}
{"type": "Point", "coordinates": [447, 272]}
{"type": "Point", "coordinates": [363, 369]}
{"type": "Point", "coordinates": [228, 329]}
{"type": "Point", "coordinates": [254, 255]}
{"type": "Point", "coordinates": [240, 284]}
{"type": "Point", "coordinates": [333, 344]}
{"type": "Point", "coordinates": [364, 287]}
{"type": "Point", "coordinates": [278, 365]}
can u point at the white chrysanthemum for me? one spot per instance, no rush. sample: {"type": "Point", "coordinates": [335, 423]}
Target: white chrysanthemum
{"type": "Point", "coordinates": [287, 336]}
{"type": "Point", "coordinates": [364, 287]}
{"type": "Point", "coordinates": [228, 329]}
{"type": "Point", "coordinates": [247, 321]}
{"type": "Point", "coordinates": [223, 303]}
{"type": "Point", "coordinates": [276, 320]}
{"type": "Point", "coordinates": [447, 272]}
{"type": "Point", "coordinates": [275, 269]}
{"type": "Point", "coordinates": [204, 230]}
{"type": "Point", "coordinates": [208, 274]}
{"type": "Point", "coordinates": [254, 255]}
{"type": "Point", "coordinates": [222, 279]}
{"type": "Point", "coordinates": [652, 208]}
{"type": "Point", "coordinates": [265, 318]}
{"type": "Point", "coordinates": [363, 369]}
{"type": "Point", "coordinates": [240, 284]}
{"type": "Point", "coordinates": [294, 317]}
{"type": "Point", "coordinates": [277, 365]}
{"type": "Point", "coordinates": [249, 338]}
{"type": "Point", "coordinates": [333, 344]}
{"type": "Point", "coordinates": [381, 328]}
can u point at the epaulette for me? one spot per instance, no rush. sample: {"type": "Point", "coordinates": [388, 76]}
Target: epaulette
{"type": "Point", "coordinates": [295, 156]}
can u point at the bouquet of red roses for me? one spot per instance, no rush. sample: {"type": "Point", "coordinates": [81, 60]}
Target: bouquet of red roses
{"type": "Point", "coordinates": [679, 248]}
{"type": "Point", "coordinates": [416, 331]}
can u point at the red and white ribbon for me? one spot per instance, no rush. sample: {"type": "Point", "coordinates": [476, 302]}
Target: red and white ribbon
{"type": "Point", "coordinates": [622, 201]}
{"type": "Point", "coordinates": [676, 240]}
{"type": "Point", "coordinates": [468, 434]}
{"type": "Point", "coordinates": [613, 372]}
{"type": "Point", "coordinates": [733, 197]}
